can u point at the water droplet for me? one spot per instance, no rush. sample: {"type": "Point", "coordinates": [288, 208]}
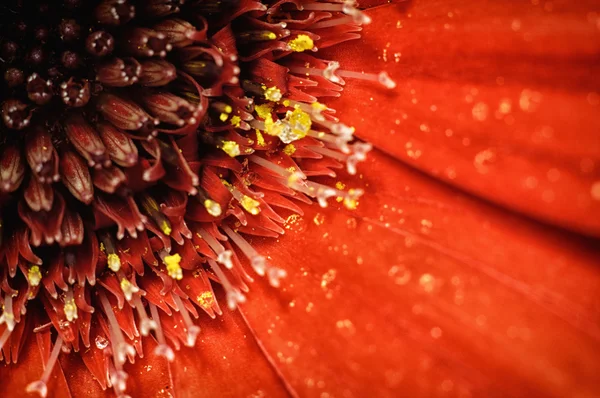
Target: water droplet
{"type": "Point", "coordinates": [400, 274]}
{"type": "Point", "coordinates": [101, 342]}
{"type": "Point", "coordinates": [480, 111]}
{"type": "Point", "coordinates": [427, 282]}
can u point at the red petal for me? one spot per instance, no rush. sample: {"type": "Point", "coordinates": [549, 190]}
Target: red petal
{"type": "Point", "coordinates": [423, 290]}
{"type": "Point", "coordinates": [500, 100]}
{"type": "Point", "coordinates": [15, 378]}
{"type": "Point", "coordinates": [229, 361]}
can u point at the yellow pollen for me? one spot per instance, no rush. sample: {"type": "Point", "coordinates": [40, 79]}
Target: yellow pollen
{"type": "Point", "coordinates": [351, 204]}
{"type": "Point", "coordinates": [271, 127]}
{"type": "Point", "coordinates": [223, 117]}
{"type": "Point", "coordinates": [165, 227]}
{"type": "Point", "coordinates": [235, 121]}
{"type": "Point", "coordinates": [263, 110]}
{"type": "Point", "coordinates": [319, 107]}
{"type": "Point", "coordinates": [270, 35]}
{"type": "Point", "coordinates": [286, 103]}
{"type": "Point", "coordinates": [272, 94]}
{"type": "Point", "coordinates": [292, 179]}
{"type": "Point", "coordinates": [206, 300]}
{"type": "Point", "coordinates": [173, 268]}
{"type": "Point", "coordinates": [295, 126]}
{"type": "Point", "coordinates": [260, 140]}
{"type": "Point", "coordinates": [300, 122]}
{"type": "Point", "coordinates": [301, 43]}
{"type": "Point", "coordinates": [212, 207]}
{"type": "Point", "coordinates": [102, 249]}
{"type": "Point", "coordinates": [114, 262]}
{"type": "Point", "coordinates": [251, 205]}
{"type": "Point", "coordinates": [350, 201]}
{"type": "Point", "coordinates": [34, 275]}
{"type": "Point", "coordinates": [70, 310]}
{"type": "Point", "coordinates": [340, 185]}
{"type": "Point", "coordinates": [289, 149]}
{"type": "Point", "coordinates": [228, 109]}
{"type": "Point", "coordinates": [128, 288]}
{"type": "Point", "coordinates": [231, 148]}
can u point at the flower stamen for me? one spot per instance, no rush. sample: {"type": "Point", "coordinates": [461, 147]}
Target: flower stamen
{"type": "Point", "coordinates": [233, 296]}
{"type": "Point", "coordinates": [162, 349]}
{"type": "Point", "coordinates": [40, 386]}
{"type": "Point", "coordinates": [191, 329]}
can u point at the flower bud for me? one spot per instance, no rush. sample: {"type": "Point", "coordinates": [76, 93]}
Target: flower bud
{"type": "Point", "coordinates": [119, 146]}
{"type": "Point", "coordinates": [15, 114]}
{"type": "Point", "coordinates": [86, 141]}
{"type": "Point", "coordinates": [114, 12]}
{"type": "Point", "coordinates": [41, 155]}
{"type": "Point", "coordinates": [157, 72]}
{"type": "Point", "coordinates": [76, 177]}
{"type": "Point", "coordinates": [12, 169]}
{"type": "Point", "coordinates": [119, 72]}
{"type": "Point", "coordinates": [126, 114]}
{"type": "Point", "coordinates": [39, 196]}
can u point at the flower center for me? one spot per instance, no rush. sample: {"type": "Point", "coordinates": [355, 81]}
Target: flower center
{"type": "Point", "coordinates": [142, 143]}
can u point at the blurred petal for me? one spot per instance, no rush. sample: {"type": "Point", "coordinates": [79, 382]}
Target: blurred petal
{"type": "Point", "coordinates": [423, 291]}
{"type": "Point", "coordinates": [500, 99]}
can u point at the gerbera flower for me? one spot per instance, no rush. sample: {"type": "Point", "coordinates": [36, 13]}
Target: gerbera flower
{"type": "Point", "coordinates": [420, 290]}
{"type": "Point", "coordinates": [142, 143]}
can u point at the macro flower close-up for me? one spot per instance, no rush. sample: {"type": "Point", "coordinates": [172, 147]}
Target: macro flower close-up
{"type": "Point", "coordinates": [299, 198]}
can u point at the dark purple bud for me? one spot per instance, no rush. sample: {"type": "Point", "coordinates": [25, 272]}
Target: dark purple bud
{"type": "Point", "coordinates": [38, 89]}
{"type": "Point", "coordinates": [15, 114]}
{"type": "Point", "coordinates": [144, 42]}
{"type": "Point", "coordinates": [108, 179]}
{"type": "Point", "coordinates": [69, 30]}
{"type": "Point", "coordinates": [9, 50]}
{"type": "Point", "coordinates": [119, 72]}
{"type": "Point", "coordinates": [14, 77]}
{"type": "Point", "coordinates": [41, 155]}
{"type": "Point", "coordinates": [75, 93]}
{"type": "Point", "coordinates": [41, 33]}
{"type": "Point", "coordinates": [39, 196]}
{"type": "Point", "coordinates": [114, 12]}
{"type": "Point", "coordinates": [169, 108]}
{"type": "Point", "coordinates": [157, 72]}
{"type": "Point", "coordinates": [177, 31]}
{"type": "Point", "coordinates": [12, 169]}
{"type": "Point", "coordinates": [119, 146]}
{"type": "Point", "coordinates": [76, 177]}
{"type": "Point", "coordinates": [86, 141]}
{"type": "Point", "coordinates": [70, 60]}
{"type": "Point", "coordinates": [100, 43]}
{"type": "Point", "coordinates": [36, 56]}
{"type": "Point", "coordinates": [71, 229]}
{"type": "Point", "coordinates": [161, 8]}
{"type": "Point", "coordinates": [126, 115]}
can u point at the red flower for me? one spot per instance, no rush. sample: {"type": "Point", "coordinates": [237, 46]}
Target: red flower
{"type": "Point", "coordinates": [421, 290]}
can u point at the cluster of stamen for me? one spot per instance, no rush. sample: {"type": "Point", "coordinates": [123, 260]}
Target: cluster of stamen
{"type": "Point", "coordinates": [142, 142]}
